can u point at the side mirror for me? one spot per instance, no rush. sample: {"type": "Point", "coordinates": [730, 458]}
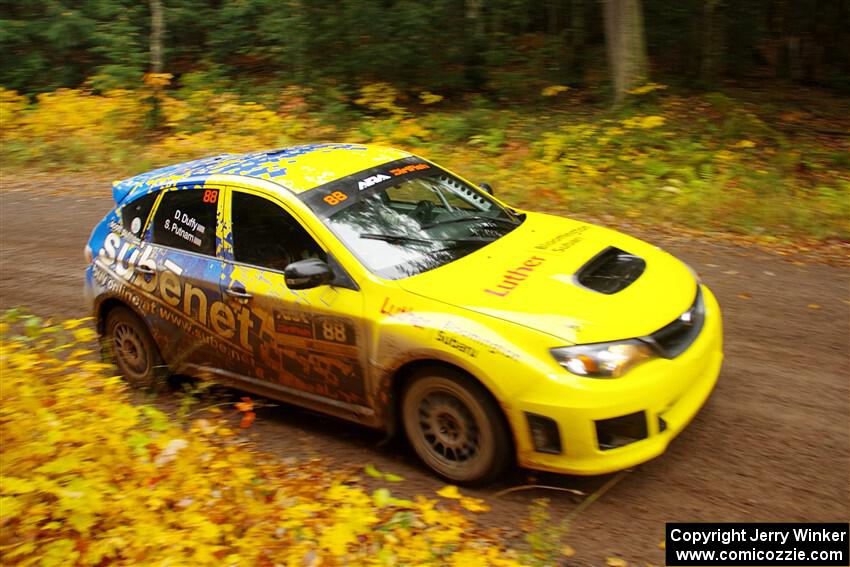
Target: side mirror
{"type": "Point", "coordinates": [306, 274]}
{"type": "Point", "coordinates": [486, 188]}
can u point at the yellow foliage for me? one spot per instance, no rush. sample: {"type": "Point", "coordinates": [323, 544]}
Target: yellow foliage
{"type": "Point", "coordinates": [12, 107]}
{"type": "Point", "coordinates": [68, 117]}
{"type": "Point", "coordinates": [449, 491]}
{"type": "Point", "coordinates": [554, 90]}
{"type": "Point", "coordinates": [157, 80]}
{"type": "Point", "coordinates": [410, 128]}
{"type": "Point", "coordinates": [72, 126]}
{"type": "Point", "coordinates": [647, 88]}
{"type": "Point", "coordinates": [380, 97]}
{"type": "Point", "coordinates": [745, 144]}
{"type": "Point", "coordinates": [90, 479]}
{"type": "Point", "coordinates": [429, 97]}
{"type": "Point", "coordinates": [644, 122]}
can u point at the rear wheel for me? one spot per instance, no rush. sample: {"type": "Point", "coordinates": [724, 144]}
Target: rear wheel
{"type": "Point", "coordinates": [129, 345]}
{"type": "Point", "coordinates": [454, 426]}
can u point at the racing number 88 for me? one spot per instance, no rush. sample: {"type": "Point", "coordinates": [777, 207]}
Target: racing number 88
{"type": "Point", "coordinates": [333, 331]}
{"type": "Point", "coordinates": [335, 197]}
{"type": "Point", "coordinates": [210, 196]}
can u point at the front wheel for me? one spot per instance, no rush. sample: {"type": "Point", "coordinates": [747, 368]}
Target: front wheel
{"type": "Point", "coordinates": [129, 345]}
{"type": "Point", "coordinates": [454, 426]}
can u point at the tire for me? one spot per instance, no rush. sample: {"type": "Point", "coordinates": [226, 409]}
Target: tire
{"type": "Point", "coordinates": [129, 345]}
{"type": "Point", "coordinates": [455, 427]}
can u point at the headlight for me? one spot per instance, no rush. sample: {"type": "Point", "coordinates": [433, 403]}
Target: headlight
{"type": "Point", "coordinates": [603, 360]}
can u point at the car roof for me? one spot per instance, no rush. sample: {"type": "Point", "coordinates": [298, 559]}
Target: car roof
{"type": "Point", "coordinates": [296, 168]}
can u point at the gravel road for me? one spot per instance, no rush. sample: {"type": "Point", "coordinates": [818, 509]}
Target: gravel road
{"type": "Point", "coordinates": [772, 444]}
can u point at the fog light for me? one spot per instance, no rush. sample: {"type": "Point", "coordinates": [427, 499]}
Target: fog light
{"type": "Point", "coordinates": [621, 431]}
{"type": "Point", "coordinates": [544, 434]}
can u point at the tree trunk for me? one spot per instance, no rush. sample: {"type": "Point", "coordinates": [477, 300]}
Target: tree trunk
{"type": "Point", "coordinates": [713, 40]}
{"type": "Point", "coordinates": [475, 45]}
{"type": "Point", "coordinates": [157, 29]}
{"type": "Point", "coordinates": [626, 44]}
{"type": "Point", "coordinates": [473, 16]}
{"type": "Point", "coordinates": [576, 41]}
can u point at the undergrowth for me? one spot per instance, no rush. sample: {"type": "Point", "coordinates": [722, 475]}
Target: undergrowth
{"type": "Point", "coordinates": [709, 162]}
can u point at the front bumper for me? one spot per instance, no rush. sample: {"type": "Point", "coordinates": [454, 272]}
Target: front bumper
{"type": "Point", "coordinates": [668, 392]}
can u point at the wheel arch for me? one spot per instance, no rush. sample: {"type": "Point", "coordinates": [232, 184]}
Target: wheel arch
{"type": "Point", "coordinates": [401, 377]}
{"type": "Point", "coordinates": [108, 304]}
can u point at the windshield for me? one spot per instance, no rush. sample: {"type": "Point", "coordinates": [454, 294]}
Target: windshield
{"type": "Point", "coordinates": [409, 216]}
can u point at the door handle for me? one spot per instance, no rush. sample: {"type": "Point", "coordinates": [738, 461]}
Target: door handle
{"type": "Point", "coordinates": [238, 293]}
{"type": "Point", "coordinates": [144, 270]}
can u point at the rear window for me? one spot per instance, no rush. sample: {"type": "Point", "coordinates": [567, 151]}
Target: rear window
{"type": "Point", "coordinates": [185, 219]}
{"type": "Point", "coordinates": [134, 215]}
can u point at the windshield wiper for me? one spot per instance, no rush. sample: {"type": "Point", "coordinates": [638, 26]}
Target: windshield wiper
{"type": "Point", "coordinates": [471, 217]}
{"type": "Point", "coordinates": [397, 238]}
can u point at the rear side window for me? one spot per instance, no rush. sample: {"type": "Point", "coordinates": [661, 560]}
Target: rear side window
{"type": "Point", "coordinates": [134, 215]}
{"type": "Point", "coordinates": [185, 219]}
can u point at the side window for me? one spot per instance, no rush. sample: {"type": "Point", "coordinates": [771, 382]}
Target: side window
{"type": "Point", "coordinates": [135, 213]}
{"type": "Point", "coordinates": [267, 236]}
{"type": "Point", "coordinates": [185, 219]}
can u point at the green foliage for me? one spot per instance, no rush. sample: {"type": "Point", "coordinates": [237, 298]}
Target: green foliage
{"type": "Point", "coordinates": [45, 45]}
{"type": "Point", "coordinates": [508, 49]}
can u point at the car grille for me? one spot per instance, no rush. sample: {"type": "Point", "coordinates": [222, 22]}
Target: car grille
{"type": "Point", "coordinates": [672, 340]}
{"type": "Point", "coordinates": [610, 271]}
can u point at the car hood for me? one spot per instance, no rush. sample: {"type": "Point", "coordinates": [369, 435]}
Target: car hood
{"type": "Point", "coordinates": [531, 277]}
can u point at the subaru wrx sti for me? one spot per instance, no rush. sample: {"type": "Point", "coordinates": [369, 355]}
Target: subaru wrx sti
{"type": "Point", "coordinates": [381, 288]}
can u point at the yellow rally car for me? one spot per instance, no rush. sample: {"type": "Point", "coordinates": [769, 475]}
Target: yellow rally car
{"type": "Point", "coordinates": [376, 286]}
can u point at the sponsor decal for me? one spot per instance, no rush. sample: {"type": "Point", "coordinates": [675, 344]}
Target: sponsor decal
{"type": "Point", "coordinates": [293, 323]}
{"type": "Point", "coordinates": [454, 343]}
{"type": "Point", "coordinates": [163, 296]}
{"type": "Point", "coordinates": [334, 330]}
{"type": "Point", "coordinates": [314, 353]}
{"type": "Point", "coordinates": [404, 314]}
{"type": "Point", "coordinates": [513, 278]}
{"type": "Point", "coordinates": [489, 345]}
{"type": "Point", "coordinates": [409, 168]}
{"type": "Point", "coordinates": [324, 374]}
{"type": "Point", "coordinates": [563, 242]}
{"type": "Point", "coordinates": [184, 226]}
{"type": "Point", "coordinates": [164, 285]}
{"type": "Point", "coordinates": [372, 180]}
{"type": "Point", "coordinates": [335, 198]}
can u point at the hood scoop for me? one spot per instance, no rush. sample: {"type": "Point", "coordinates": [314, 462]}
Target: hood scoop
{"type": "Point", "coordinates": [610, 271]}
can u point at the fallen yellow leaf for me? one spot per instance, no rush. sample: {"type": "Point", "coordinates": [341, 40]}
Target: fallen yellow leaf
{"type": "Point", "coordinates": [449, 491]}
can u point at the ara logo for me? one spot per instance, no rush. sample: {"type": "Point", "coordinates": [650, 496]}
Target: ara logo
{"type": "Point", "coordinates": [369, 181]}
